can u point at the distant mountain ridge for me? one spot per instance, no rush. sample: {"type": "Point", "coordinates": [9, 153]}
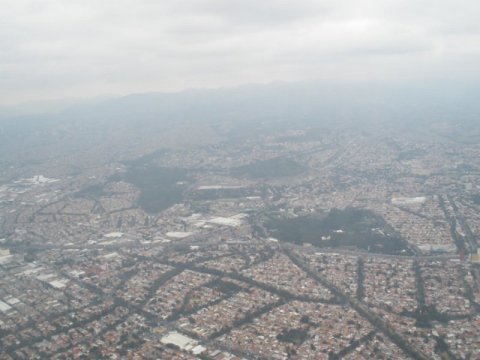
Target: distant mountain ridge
{"type": "Point", "coordinates": [114, 122]}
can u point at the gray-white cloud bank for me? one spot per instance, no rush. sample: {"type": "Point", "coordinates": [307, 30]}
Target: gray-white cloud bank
{"type": "Point", "coordinates": [60, 48]}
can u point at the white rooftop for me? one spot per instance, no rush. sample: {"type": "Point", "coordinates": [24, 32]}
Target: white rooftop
{"type": "Point", "coordinates": [218, 187]}
{"type": "Point", "coordinates": [178, 234]}
{"type": "Point", "coordinates": [111, 255]}
{"type": "Point", "coordinates": [226, 221]}
{"type": "Point", "coordinates": [197, 350]}
{"type": "Point", "coordinates": [58, 284]}
{"type": "Point", "coordinates": [113, 235]}
{"type": "Point", "coordinates": [4, 307]}
{"type": "Point", "coordinates": [12, 301]}
{"type": "Point", "coordinates": [409, 200]}
{"type": "Point", "coordinates": [182, 341]}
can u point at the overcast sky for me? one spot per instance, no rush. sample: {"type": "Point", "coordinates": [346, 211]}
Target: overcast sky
{"type": "Point", "coordinates": [83, 48]}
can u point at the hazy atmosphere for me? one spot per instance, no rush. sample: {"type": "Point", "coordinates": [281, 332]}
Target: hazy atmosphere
{"type": "Point", "coordinates": [239, 180]}
{"type": "Point", "coordinates": [58, 48]}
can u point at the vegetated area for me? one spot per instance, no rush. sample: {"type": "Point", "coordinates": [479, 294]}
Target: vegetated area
{"type": "Point", "coordinates": [351, 227]}
{"type": "Point", "coordinates": [159, 186]}
{"type": "Point", "coordinates": [311, 134]}
{"type": "Point", "coordinates": [91, 192]}
{"type": "Point", "coordinates": [411, 154]}
{"type": "Point", "coordinates": [148, 159]}
{"type": "Point", "coordinates": [226, 287]}
{"type": "Point", "coordinates": [294, 336]}
{"type": "Point", "coordinates": [476, 199]}
{"type": "Point", "coordinates": [269, 169]}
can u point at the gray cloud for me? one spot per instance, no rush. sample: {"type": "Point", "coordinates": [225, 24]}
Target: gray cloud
{"type": "Point", "coordinates": [58, 48]}
{"type": "Point", "coordinates": [252, 12]}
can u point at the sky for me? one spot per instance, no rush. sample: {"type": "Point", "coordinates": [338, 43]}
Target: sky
{"type": "Point", "coordinates": [84, 48]}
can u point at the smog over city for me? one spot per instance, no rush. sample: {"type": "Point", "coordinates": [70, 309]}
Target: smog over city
{"type": "Point", "coordinates": [229, 180]}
